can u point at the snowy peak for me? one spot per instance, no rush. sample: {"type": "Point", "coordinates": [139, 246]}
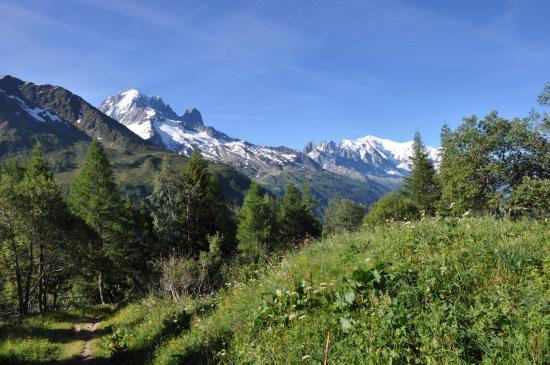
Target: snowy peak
{"type": "Point", "coordinates": [137, 111]}
{"type": "Point", "coordinates": [364, 159]}
{"type": "Point", "coordinates": [368, 157]}
{"type": "Point", "coordinates": [153, 120]}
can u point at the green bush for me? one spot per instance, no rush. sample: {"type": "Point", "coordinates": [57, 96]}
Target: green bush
{"type": "Point", "coordinates": [532, 198]}
{"type": "Point", "coordinates": [342, 215]}
{"type": "Point", "coordinates": [392, 207]}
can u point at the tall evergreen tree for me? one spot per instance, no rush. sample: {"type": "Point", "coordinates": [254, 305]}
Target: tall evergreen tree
{"type": "Point", "coordinates": [204, 211]}
{"type": "Point", "coordinates": [95, 198]}
{"type": "Point", "coordinates": [297, 220]}
{"type": "Point", "coordinates": [48, 217]}
{"type": "Point", "coordinates": [256, 232]}
{"type": "Point", "coordinates": [195, 203]}
{"type": "Point", "coordinates": [422, 184]}
{"type": "Point", "coordinates": [222, 220]}
{"type": "Point", "coordinates": [35, 226]}
{"type": "Point", "coordinates": [166, 199]}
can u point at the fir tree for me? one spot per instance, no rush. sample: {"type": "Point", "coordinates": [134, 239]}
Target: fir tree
{"type": "Point", "coordinates": [297, 219]}
{"type": "Point", "coordinates": [95, 198]}
{"type": "Point", "coordinates": [256, 230]}
{"type": "Point", "coordinates": [48, 217]}
{"type": "Point", "coordinates": [195, 209]}
{"type": "Point", "coordinates": [167, 215]}
{"type": "Point", "coordinates": [422, 185]}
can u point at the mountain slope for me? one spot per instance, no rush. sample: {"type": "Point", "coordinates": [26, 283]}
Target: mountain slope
{"type": "Point", "coordinates": [64, 124]}
{"type": "Point", "coordinates": [155, 121]}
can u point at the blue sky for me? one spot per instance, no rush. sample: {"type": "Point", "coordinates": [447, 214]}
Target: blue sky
{"type": "Point", "coordinates": [290, 71]}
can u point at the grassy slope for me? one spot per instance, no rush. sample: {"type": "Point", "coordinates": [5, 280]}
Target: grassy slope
{"type": "Point", "coordinates": [466, 291]}
{"type": "Point", "coordinates": [455, 291]}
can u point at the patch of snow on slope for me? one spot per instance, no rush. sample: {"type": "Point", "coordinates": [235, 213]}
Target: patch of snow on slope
{"type": "Point", "coordinates": [37, 113]}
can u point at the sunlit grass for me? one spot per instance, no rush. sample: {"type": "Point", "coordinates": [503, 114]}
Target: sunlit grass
{"type": "Point", "coordinates": [455, 291]}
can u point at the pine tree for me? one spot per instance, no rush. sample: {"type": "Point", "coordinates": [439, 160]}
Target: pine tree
{"type": "Point", "coordinates": [35, 227]}
{"type": "Point", "coordinates": [47, 215]}
{"type": "Point", "coordinates": [167, 215]}
{"type": "Point", "coordinates": [94, 197]}
{"type": "Point", "coordinates": [195, 210]}
{"type": "Point", "coordinates": [221, 222]}
{"type": "Point", "coordinates": [256, 231]}
{"type": "Point", "coordinates": [422, 185]}
{"type": "Point", "coordinates": [297, 220]}
{"type": "Point", "coordinates": [204, 211]}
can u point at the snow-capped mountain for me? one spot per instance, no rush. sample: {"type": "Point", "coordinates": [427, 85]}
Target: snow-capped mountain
{"type": "Point", "coordinates": [151, 119]}
{"type": "Point", "coordinates": [369, 160]}
{"type": "Point", "coordinates": [368, 157]}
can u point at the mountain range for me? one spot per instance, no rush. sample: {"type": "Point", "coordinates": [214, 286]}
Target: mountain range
{"type": "Point", "coordinates": [371, 160]}
{"type": "Point", "coordinates": [64, 124]}
{"type": "Point", "coordinates": [139, 130]}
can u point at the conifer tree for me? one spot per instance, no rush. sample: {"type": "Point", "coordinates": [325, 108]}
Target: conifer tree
{"type": "Point", "coordinates": [167, 215]}
{"type": "Point", "coordinates": [94, 197]}
{"type": "Point", "coordinates": [221, 222]}
{"type": "Point", "coordinates": [256, 231]}
{"type": "Point", "coordinates": [422, 185]}
{"type": "Point", "coordinates": [297, 220]}
{"type": "Point", "coordinates": [48, 216]}
{"type": "Point", "coordinates": [204, 212]}
{"type": "Point", "coordinates": [195, 209]}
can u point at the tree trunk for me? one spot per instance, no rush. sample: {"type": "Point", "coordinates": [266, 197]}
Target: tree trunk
{"type": "Point", "coordinates": [55, 294]}
{"type": "Point", "coordinates": [18, 276]}
{"type": "Point", "coordinates": [26, 299]}
{"type": "Point", "coordinates": [100, 283]}
{"type": "Point", "coordinates": [41, 280]}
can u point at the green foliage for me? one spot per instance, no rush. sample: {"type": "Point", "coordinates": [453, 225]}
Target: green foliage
{"type": "Point", "coordinates": [190, 208]}
{"type": "Point", "coordinates": [297, 216]}
{"type": "Point", "coordinates": [342, 215]}
{"type": "Point", "coordinates": [36, 232]}
{"type": "Point", "coordinates": [484, 161]}
{"type": "Point", "coordinates": [94, 197]}
{"type": "Point", "coordinates": [437, 291]}
{"type": "Point", "coordinates": [257, 228]}
{"type": "Point", "coordinates": [392, 207]}
{"type": "Point", "coordinates": [532, 198]}
{"type": "Point", "coordinates": [422, 185]}
{"type": "Point", "coordinates": [166, 200]}
{"type": "Point", "coordinates": [135, 331]}
{"type": "Point", "coordinates": [544, 97]}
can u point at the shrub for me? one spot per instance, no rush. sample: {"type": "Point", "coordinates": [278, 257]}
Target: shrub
{"type": "Point", "coordinates": [532, 198]}
{"type": "Point", "coordinates": [392, 207]}
{"type": "Point", "coordinates": [342, 215]}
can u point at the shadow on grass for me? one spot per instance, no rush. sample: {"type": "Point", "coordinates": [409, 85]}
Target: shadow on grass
{"type": "Point", "coordinates": [74, 361]}
{"type": "Point", "coordinates": [123, 353]}
{"type": "Point", "coordinates": [59, 335]}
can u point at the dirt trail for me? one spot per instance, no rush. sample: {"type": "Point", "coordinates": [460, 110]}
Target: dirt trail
{"type": "Point", "coordinates": [87, 336]}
